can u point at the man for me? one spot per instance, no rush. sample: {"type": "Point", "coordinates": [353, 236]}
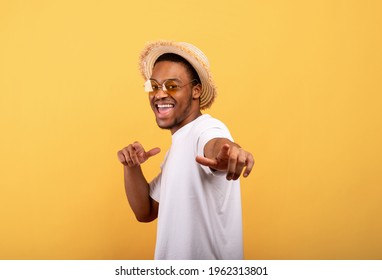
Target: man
{"type": "Point", "coordinates": [196, 196]}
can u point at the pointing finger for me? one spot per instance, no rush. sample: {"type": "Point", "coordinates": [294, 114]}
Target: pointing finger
{"type": "Point", "coordinates": [224, 151]}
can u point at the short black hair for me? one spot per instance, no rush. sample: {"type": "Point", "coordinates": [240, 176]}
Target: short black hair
{"type": "Point", "coordinates": [179, 59]}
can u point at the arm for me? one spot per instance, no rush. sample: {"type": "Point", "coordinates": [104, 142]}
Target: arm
{"type": "Point", "coordinates": [136, 186]}
{"type": "Point", "coordinates": [221, 154]}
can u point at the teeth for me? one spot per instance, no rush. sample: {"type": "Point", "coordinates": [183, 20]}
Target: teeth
{"type": "Point", "coordinates": [165, 105]}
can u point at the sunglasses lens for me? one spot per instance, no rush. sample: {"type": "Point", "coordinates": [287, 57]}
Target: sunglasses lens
{"type": "Point", "coordinates": [171, 86]}
{"type": "Point", "coordinates": [154, 86]}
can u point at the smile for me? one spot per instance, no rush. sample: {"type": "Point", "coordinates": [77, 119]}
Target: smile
{"type": "Point", "coordinates": [164, 108]}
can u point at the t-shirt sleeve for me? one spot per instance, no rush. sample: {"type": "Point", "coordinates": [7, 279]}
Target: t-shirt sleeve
{"type": "Point", "coordinates": [215, 129]}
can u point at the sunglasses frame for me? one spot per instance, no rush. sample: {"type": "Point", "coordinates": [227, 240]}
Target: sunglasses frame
{"type": "Point", "coordinates": [149, 88]}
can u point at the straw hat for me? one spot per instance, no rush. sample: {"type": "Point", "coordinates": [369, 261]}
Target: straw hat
{"type": "Point", "coordinates": [189, 52]}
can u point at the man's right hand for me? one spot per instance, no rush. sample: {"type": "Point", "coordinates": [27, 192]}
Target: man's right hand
{"type": "Point", "coordinates": [134, 154]}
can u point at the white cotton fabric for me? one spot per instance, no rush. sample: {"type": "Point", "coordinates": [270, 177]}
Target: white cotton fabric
{"type": "Point", "coordinates": [199, 211]}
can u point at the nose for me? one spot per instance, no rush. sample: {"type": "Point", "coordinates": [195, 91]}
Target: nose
{"type": "Point", "coordinates": [160, 94]}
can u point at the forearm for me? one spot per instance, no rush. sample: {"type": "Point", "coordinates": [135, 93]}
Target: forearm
{"type": "Point", "coordinates": [137, 192]}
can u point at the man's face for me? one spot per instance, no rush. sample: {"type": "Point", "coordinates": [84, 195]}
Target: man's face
{"type": "Point", "coordinates": [176, 110]}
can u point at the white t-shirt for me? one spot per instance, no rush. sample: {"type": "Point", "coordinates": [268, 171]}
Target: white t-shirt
{"type": "Point", "coordinates": [199, 211]}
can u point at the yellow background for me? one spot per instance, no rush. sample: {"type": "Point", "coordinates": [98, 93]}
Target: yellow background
{"type": "Point", "coordinates": [299, 85]}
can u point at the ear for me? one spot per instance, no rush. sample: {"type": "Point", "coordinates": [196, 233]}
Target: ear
{"type": "Point", "coordinates": [196, 91]}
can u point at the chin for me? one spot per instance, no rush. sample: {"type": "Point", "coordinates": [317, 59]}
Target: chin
{"type": "Point", "coordinates": [164, 124]}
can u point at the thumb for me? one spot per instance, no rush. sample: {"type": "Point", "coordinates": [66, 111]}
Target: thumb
{"type": "Point", "coordinates": [152, 152]}
{"type": "Point", "coordinates": [206, 161]}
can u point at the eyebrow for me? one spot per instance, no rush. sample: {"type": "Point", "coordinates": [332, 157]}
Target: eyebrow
{"type": "Point", "coordinates": [171, 79]}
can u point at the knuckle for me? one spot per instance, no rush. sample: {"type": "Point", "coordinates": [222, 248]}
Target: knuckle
{"type": "Point", "coordinates": [232, 158]}
{"type": "Point", "coordinates": [241, 160]}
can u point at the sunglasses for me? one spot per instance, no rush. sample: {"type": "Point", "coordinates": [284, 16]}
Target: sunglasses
{"type": "Point", "coordinates": [169, 86]}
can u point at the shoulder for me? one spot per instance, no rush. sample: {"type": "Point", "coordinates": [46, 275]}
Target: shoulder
{"type": "Point", "coordinates": [205, 122]}
{"type": "Point", "coordinates": [207, 128]}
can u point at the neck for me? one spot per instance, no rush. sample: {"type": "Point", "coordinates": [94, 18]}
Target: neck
{"type": "Point", "coordinates": [193, 116]}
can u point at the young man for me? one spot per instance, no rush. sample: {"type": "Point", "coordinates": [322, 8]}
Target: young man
{"type": "Point", "coordinates": [196, 196]}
